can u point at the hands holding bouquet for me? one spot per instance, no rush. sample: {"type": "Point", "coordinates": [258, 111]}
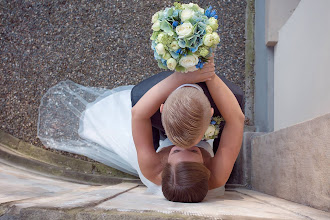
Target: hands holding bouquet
{"type": "Point", "coordinates": [184, 36]}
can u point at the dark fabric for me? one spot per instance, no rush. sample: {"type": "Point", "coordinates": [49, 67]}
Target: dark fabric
{"type": "Point", "coordinates": [158, 131]}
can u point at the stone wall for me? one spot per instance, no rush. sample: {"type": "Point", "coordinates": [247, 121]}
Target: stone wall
{"type": "Point", "coordinates": [293, 163]}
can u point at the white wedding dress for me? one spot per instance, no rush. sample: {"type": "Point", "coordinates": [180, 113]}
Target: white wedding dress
{"type": "Point", "coordinates": [93, 122]}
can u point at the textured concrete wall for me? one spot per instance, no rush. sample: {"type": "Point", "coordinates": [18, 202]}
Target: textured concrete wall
{"type": "Point", "coordinates": [301, 65]}
{"type": "Point", "coordinates": [293, 163]}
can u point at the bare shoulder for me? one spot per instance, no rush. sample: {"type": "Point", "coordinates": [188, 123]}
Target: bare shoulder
{"type": "Point", "coordinates": [152, 164]}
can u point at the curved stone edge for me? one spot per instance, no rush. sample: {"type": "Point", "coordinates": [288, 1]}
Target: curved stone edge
{"type": "Point", "coordinates": [92, 214]}
{"type": "Point", "coordinates": [19, 153]}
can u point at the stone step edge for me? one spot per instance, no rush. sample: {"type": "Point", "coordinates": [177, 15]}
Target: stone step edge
{"type": "Point", "coordinates": [15, 152]}
{"type": "Point", "coordinates": [30, 151]}
{"type": "Point", "coordinates": [80, 213]}
{"type": "Point", "coordinates": [18, 161]}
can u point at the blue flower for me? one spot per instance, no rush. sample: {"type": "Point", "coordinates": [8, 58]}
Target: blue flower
{"type": "Point", "coordinates": [180, 51]}
{"type": "Point", "coordinates": [211, 13]}
{"type": "Point", "coordinates": [200, 64]}
{"type": "Point", "coordinates": [213, 122]}
{"type": "Point", "coordinates": [193, 49]}
{"type": "Point", "coordinates": [208, 11]}
{"type": "Point", "coordinates": [164, 62]}
{"type": "Point", "coordinates": [175, 24]}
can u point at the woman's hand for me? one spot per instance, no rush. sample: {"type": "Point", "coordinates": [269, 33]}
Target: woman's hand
{"type": "Point", "coordinates": [200, 75]}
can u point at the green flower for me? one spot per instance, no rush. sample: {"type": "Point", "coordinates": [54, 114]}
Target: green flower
{"type": "Point", "coordinates": [209, 29]}
{"type": "Point", "coordinates": [165, 39]}
{"type": "Point", "coordinates": [166, 56]}
{"type": "Point", "coordinates": [203, 51]}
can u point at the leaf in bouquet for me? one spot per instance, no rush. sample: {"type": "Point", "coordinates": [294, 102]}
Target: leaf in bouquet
{"type": "Point", "coordinates": [201, 28]}
{"type": "Point", "coordinates": [166, 26]}
{"type": "Point", "coordinates": [190, 42]}
{"type": "Point", "coordinates": [182, 43]}
{"type": "Point", "coordinates": [204, 59]}
{"type": "Point", "coordinates": [192, 20]}
{"type": "Point", "coordinates": [174, 55]}
{"type": "Point", "coordinates": [211, 51]}
{"type": "Point", "coordinates": [167, 13]}
{"type": "Point", "coordinates": [161, 65]}
{"type": "Point", "coordinates": [156, 55]}
{"type": "Point", "coordinates": [199, 41]}
{"type": "Point", "coordinates": [194, 49]}
{"type": "Point", "coordinates": [153, 45]}
{"type": "Point", "coordinates": [195, 28]}
{"type": "Point", "coordinates": [176, 14]}
{"type": "Point", "coordinates": [154, 35]}
{"type": "Point", "coordinates": [179, 68]}
{"type": "Point", "coordinates": [194, 42]}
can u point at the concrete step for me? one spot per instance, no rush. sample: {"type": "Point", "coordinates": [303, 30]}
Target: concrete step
{"type": "Point", "coordinates": [26, 195]}
{"type": "Point", "coordinates": [19, 153]}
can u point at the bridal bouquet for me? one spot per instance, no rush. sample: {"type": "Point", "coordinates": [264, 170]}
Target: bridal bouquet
{"type": "Point", "coordinates": [184, 36]}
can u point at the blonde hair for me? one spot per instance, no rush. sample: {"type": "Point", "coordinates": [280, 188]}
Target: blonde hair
{"type": "Point", "coordinates": [185, 115]}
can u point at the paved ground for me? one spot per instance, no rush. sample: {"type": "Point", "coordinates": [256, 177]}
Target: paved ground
{"type": "Point", "coordinates": [28, 195]}
{"type": "Point", "coordinates": [94, 43]}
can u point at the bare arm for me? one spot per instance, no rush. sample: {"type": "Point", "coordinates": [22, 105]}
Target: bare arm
{"type": "Point", "coordinates": [232, 135]}
{"type": "Point", "coordinates": [149, 161]}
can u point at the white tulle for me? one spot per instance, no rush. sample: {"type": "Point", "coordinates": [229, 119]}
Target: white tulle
{"type": "Point", "coordinates": [93, 122]}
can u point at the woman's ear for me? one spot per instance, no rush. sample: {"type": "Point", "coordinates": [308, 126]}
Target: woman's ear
{"type": "Point", "coordinates": [161, 108]}
{"type": "Point", "coordinates": [212, 112]}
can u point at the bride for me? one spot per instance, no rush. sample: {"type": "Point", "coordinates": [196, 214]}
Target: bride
{"type": "Point", "coordinates": [102, 125]}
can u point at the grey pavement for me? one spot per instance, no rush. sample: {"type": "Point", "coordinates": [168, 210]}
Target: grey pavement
{"type": "Point", "coordinates": [31, 195]}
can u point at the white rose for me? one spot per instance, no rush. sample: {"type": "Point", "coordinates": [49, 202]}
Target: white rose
{"type": "Point", "coordinates": [189, 61]}
{"type": "Point", "coordinates": [171, 63]}
{"type": "Point", "coordinates": [191, 69]}
{"type": "Point", "coordinates": [208, 40]}
{"type": "Point", "coordinates": [216, 38]}
{"type": "Point", "coordinates": [187, 14]}
{"type": "Point", "coordinates": [174, 45]}
{"type": "Point", "coordinates": [156, 26]}
{"type": "Point", "coordinates": [184, 30]}
{"type": "Point", "coordinates": [213, 23]}
{"type": "Point", "coordinates": [154, 18]}
{"type": "Point", "coordinates": [210, 131]}
{"type": "Point", "coordinates": [160, 49]}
